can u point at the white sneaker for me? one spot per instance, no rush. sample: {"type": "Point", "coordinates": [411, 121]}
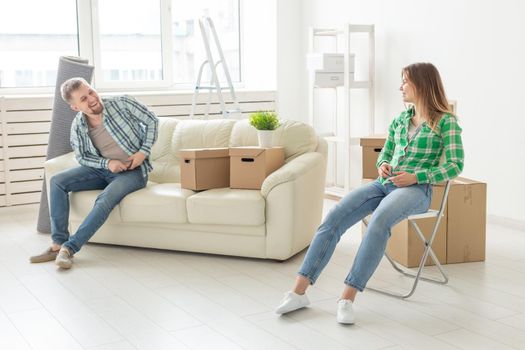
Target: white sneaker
{"type": "Point", "coordinates": [345, 311]}
{"type": "Point", "coordinates": [291, 302]}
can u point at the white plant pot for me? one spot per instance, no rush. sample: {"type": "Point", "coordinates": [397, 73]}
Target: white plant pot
{"type": "Point", "coordinates": [265, 138]}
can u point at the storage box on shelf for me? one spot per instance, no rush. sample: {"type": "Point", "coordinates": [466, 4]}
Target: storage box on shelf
{"type": "Point", "coordinates": [328, 69]}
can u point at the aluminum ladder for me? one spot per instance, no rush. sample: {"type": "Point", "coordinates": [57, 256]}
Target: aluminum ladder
{"type": "Point", "coordinates": [207, 27]}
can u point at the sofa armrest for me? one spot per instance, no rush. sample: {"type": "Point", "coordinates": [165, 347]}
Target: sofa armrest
{"type": "Point", "coordinates": [294, 205]}
{"type": "Point", "coordinates": [291, 171]}
{"type": "Point", "coordinates": [57, 164]}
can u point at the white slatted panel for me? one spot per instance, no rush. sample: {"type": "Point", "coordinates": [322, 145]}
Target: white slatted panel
{"type": "Point", "coordinates": [26, 174]}
{"type": "Point", "coordinates": [25, 123]}
{"type": "Point", "coordinates": [25, 198]}
{"type": "Point", "coordinates": [26, 186]}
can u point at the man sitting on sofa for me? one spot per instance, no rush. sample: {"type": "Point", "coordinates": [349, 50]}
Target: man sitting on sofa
{"type": "Point", "coordinates": [112, 139]}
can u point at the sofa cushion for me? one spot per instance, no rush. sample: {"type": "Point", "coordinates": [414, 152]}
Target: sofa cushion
{"type": "Point", "coordinates": [296, 137]}
{"type": "Point", "coordinates": [211, 133]}
{"type": "Point", "coordinates": [243, 134]}
{"type": "Point", "coordinates": [165, 166]}
{"type": "Point", "coordinates": [225, 206]}
{"type": "Point", "coordinates": [156, 203]}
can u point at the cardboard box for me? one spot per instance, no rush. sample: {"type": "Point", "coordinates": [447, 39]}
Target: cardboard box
{"type": "Point", "coordinates": [205, 168]}
{"type": "Point", "coordinates": [405, 246]}
{"type": "Point", "coordinates": [372, 146]}
{"type": "Point", "coordinates": [324, 79]}
{"type": "Point", "coordinates": [466, 224]}
{"type": "Point", "coordinates": [329, 62]}
{"type": "Point", "coordinates": [461, 233]}
{"type": "Point", "coordinates": [249, 166]}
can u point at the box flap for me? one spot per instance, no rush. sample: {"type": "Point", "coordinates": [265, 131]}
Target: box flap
{"type": "Point", "coordinates": [246, 151]}
{"type": "Point", "coordinates": [200, 153]}
{"type": "Point", "coordinates": [465, 181]}
{"type": "Point", "coordinates": [459, 181]}
{"type": "Point", "coordinates": [373, 141]}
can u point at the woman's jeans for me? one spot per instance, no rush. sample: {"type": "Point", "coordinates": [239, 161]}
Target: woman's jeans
{"type": "Point", "coordinates": [115, 187]}
{"type": "Point", "coordinates": [389, 204]}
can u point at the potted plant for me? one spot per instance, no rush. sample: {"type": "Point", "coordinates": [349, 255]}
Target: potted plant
{"type": "Point", "coordinates": [265, 122]}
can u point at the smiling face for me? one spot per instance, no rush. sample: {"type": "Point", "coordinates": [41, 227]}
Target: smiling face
{"type": "Point", "coordinates": [408, 91]}
{"type": "Point", "coordinates": [86, 100]}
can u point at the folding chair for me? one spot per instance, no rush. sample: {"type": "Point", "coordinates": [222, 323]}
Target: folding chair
{"type": "Point", "coordinates": [438, 214]}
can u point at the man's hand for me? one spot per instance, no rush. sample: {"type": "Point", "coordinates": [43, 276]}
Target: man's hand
{"type": "Point", "coordinates": [116, 166]}
{"type": "Point", "coordinates": [384, 170]}
{"type": "Point", "coordinates": [136, 160]}
{"type": "Point", "coordinates": [403, 179]}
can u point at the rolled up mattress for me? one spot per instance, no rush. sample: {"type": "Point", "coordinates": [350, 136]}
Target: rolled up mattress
{"type": "Point", "coordinates": [61, 119]}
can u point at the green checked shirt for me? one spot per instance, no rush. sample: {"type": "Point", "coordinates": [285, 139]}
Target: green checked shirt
{"type": "Point", "coordinates": [422, 154]}
{"type": "Point", "coordinates": [131, 124]}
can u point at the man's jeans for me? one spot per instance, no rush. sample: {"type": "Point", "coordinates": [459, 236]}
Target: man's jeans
{"type": "Point", "coordinates": [115, 187]}
{"type": "Point", "coordinates": [389, 204]}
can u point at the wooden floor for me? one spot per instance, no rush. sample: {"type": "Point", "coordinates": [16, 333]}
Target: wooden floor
{"type": "Point", "coordinates": [129, 298]}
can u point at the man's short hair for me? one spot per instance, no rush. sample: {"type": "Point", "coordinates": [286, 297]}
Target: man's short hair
{"type": "Point", "coordinates": [71, 85]}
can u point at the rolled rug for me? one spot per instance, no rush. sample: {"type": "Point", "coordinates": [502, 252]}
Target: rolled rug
{"type": "Point", "coordinates": [61, 119]}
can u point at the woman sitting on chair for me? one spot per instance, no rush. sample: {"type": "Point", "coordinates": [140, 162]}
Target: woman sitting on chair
{"type": "Point", "coordinates": [407, 166]}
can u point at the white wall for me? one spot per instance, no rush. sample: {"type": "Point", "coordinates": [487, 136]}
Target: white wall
{"type": "Point", "coordinates": [290, 58]}
{"type": "Point", "coordinates": [258, 44]}
{"type": "Point", "coordinates": [478, 47]}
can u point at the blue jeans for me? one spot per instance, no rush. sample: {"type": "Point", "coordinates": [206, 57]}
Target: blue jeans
{"type": "Point", "coordinates": [115, 187]}
{"type": "Point", "coordinates": [389, 204]}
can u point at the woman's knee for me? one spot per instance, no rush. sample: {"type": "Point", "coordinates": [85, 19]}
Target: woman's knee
{"type": "Point", "coordinates": [379, 225]}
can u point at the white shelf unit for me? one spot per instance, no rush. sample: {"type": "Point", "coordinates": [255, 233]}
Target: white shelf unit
{"type": "Point", "coordinates": [342, 134]}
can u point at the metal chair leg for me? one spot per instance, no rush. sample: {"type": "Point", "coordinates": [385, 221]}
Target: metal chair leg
{"type": "Point", "coordinates": [418, 275]}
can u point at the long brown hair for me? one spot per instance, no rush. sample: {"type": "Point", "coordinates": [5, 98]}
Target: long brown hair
{"type": "Point", "coordinates": [430, 94]}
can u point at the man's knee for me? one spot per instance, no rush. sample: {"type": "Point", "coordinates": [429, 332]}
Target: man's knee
{"type": "Point", "coordinates": [57, 181]}
{"type": "Point", "coordinates": [108, 199]}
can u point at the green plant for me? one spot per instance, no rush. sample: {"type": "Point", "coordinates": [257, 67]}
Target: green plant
{"type": "Point", "coordinates": [264, 120]}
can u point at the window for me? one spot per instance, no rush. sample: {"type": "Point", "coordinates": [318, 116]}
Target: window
{"type": "Point", "coordinates": [132, 43]}
{"type": "Point", "coordinates": [31, 42]}
{"type": "Point", "coordinates": [129, 40]}
{"type": "Point", "coordinates": [188, 48]}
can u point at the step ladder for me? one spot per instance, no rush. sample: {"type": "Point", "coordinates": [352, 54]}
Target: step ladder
{"type": "Point", "coordinates": [207, 27]}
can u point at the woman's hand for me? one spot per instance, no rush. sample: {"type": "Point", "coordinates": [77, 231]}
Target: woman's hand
{"type": "Point", "coordinates": [403, 179]}
{"type": "Point", "coordinates": [384, 170]}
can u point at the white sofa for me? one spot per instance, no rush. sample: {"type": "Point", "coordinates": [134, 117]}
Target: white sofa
{"type": "Point", "coordinates": [275, 222]}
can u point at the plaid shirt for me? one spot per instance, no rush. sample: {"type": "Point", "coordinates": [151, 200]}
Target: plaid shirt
{"type": "Point", "coordinates": [130, 124]}
{"type": "Point", "coordinates": [422, 154]}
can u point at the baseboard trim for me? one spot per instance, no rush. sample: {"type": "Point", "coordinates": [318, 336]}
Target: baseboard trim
{"type": "Point", "coordinates": [507, 222]}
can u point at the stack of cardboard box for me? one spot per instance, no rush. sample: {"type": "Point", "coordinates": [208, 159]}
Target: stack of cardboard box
{"type": "Point", "coordinates": [327, 69]}
{"type": "Point", "coordinates": [461, 234]}
{"type": "Point", "coordinates": [237, 167]}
